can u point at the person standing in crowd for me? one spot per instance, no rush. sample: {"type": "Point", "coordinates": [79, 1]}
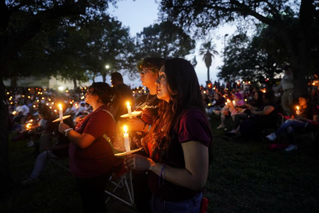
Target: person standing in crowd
{"type": "Point", "coordinates": [307, 117]}
{"type": "Point", "coordinates": [286, 84]}
{"type": "Point", "coordinates": [125, 93]}
{"type": "Point", "coordinates": [179, 142]}
{"type": "Point", "coordinates": [148, 104]}
{"type": "Point", "coordinates": [91, 156]}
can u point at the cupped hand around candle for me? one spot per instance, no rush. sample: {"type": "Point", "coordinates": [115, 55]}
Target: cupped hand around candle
{"type": "Point", "coordinates": [135, 124]}
{"type": "Point", "coordinates": [62, 127]}
{"type": "Point", "coordinates": [138, 162]}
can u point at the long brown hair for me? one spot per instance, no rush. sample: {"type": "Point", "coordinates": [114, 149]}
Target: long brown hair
{"type": "Point", "coordinates": [185, 94]}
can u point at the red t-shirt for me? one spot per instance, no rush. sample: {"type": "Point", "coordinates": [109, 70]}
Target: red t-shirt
{"type": "Point", "coordinates": [193, 126]}
{"type": "Point", "coordinates": [98, 158]}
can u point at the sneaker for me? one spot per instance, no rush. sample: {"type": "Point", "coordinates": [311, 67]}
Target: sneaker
{"type": "Point", "coordinates": [271, 137]}
{"type": "Point", "coordinates": [29, 181]}
{"type": "Point", "coordinates": [31, 143]}
{"type": "Point", "coordinates": [233, 131]}
{"type": "Point", "coordinates": [291, 147]}
{"type": "Point", "coordinates": [221, 126]}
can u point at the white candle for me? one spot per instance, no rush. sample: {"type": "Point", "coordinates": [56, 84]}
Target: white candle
{"type": "Point", "coordinates": [126, 140]}
{"type": "Point", "coordinates": [129, 110]}
{"type": "Point", "coordinates": [297, 111]}
{"type": "Point", "coordinates": [60, 113]}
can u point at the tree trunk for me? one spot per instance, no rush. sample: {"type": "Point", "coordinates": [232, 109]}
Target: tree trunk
{"type": "Point", "coordinates": [14, 80]}
{"type": "Point", "coordinates": [6, 181]}
{"type": "Point", "coordinates": [75, 83]}
{"type": "Point", "coordinates": [104, 77]}
{"type": "Point", "coordinates": [208, 77]}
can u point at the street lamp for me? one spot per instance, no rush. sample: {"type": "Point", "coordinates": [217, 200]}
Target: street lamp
{"type": "Point", "coordinates": [104, 73]}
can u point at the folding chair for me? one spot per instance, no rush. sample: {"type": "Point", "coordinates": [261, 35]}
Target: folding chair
{"type": "Point", "coordinates": [121, 180]}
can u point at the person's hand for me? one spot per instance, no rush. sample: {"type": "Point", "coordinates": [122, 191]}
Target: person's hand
{"type": "Point", "coordinates": [62, 127]}
{"type": "Point", "coordinates": [135, 124]}
{"type": "Point", "coordinates": [78, 119]}
{"type": "Point", "coordinates": [138, 162]}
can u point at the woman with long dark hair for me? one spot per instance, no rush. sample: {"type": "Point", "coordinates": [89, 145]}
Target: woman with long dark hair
{"type": "Point", "coordinates": [179, 142]}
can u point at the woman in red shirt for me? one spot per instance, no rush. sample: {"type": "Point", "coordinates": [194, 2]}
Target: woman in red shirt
{"type": "Point", "coordinates": [178, 143]}
{"type": "Point", "coordinates": [91, 156]}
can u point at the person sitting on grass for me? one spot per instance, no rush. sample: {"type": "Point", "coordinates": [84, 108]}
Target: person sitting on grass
{"type": "Point", "coordinates": [306, 118]}
{"type": "Point", "coordinates": [60, 150]}
{"type": "Point", "coordinates": [265, 117]}
{"type": "Point", "coordinates": [231, 109]}
{"type": "Point", "coordinates": [255, 104]}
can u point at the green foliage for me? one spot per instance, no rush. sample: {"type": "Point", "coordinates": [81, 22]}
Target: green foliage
{"type": "Point", "coordinates": [164, 40]}
{"type": "Point", "coordinates": [295, 24]}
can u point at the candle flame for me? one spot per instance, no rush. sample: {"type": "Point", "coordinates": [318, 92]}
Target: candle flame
{"type": "Point", "coordinates": [128, 103]}
{"type": "Point", "coordinates": [125, 129]}
{"type": "Point", "coordinates": [297, 107]}
{"type": "Point", "coordinates": [60, 106]}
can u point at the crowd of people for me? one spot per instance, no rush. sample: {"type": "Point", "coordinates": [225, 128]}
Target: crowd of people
{"type": "Point", "coordinates": [170, 128]}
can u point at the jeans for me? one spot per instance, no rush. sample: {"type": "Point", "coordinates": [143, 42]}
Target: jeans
{"type": "Point", "coordinates": [40, 163]}
{"type": "Point", "coordinates": [289, 126]}
{"type": "Point", "coordinates": [187, 206]}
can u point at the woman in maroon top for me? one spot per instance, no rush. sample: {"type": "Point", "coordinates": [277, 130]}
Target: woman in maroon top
{"type": "Point", "coordinates": [91, 156]}
{"type": "Point", "coordinates": [178, 143]}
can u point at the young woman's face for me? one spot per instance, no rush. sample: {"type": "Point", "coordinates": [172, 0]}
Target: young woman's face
{"type": "Point", "coordinates": [302, 101]}
{"type": "Point", "coordinates": [148, 77]}
{"type": "Point", "coordinates": [162, 86]}
{"type": "Point", "coordinates": [89, 97]}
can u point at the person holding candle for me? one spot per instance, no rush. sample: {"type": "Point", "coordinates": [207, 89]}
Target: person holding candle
{"type": "Point", "coordinates": [91, 156]}
{"type": "Point", "coordinates": [139, 126]}
{"type": "Point", "coordinates": [178, 143]}
{"type": "Point", "coordinates": [124, 95]}
{"type": "Point", "coordinates": [232, 108]}
{"type": "Point", "coordinates": [307, 118]}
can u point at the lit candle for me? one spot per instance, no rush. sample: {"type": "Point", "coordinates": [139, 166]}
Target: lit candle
{"type": "Point", "coordinates": [61, 113]}
{"type": "Point", "coordinates": [234, 103]}
{"type": "Point", "coordinates": [126, 140]}
{"type": "Point", "coordinates": [297, 110]}
{"type": "Point", "coordinates": [129, 110]}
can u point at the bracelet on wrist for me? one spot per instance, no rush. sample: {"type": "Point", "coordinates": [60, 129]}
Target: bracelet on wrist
{"type": "Point", "coordinates": [66, 131]}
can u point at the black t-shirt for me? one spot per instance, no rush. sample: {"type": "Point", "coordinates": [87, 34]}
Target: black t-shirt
{"type": "Point", "coordinates": [148, 104]}
{"type": "Point", "coordinates": [125, 95]}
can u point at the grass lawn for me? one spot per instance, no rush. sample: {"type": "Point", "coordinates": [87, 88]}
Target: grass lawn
{"type": "Point", "coordinates": [245, 177]}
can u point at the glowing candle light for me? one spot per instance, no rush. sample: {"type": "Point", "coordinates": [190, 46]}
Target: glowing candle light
{"type": "Point", "coordinates": [126, 140]}
{"type": "Point", "coordinates": [234, 103]}
{"type": "Point", "coordinates": [61, 113]}
{"type": "Point", "coordinates": [129, 110]}
{"type": "Point", "coordinates": [297, 110]}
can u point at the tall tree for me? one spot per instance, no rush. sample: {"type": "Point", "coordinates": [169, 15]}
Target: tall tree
{"type": "Point", "coordinates": [208, 51]}
{"type": "Point", "coordinates": [300, 35]}
{"type": "Point", "coordinates": [164, 40]}
{"type": "Point", "coordinates": [21, 22]}
{"type": "Point", "coordinates": [247, 58]}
